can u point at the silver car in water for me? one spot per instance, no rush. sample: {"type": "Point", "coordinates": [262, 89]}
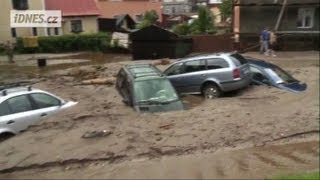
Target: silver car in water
{"type": "Point", "coordinates": [21, 107]}
{"type": "Point", "coordinates": [210, 74]}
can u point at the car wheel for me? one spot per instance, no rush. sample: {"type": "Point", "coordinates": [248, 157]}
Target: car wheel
{"type": "Point", "coordinates": [211, 91]}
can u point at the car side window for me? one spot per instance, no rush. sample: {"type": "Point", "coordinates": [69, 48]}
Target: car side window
{"type": "Point", "coordinates": [19, 104]}
{"type": "Point", "coordinates": [217, 63]}
{"type": "Point", "coordinates": [44, 100]}
{"type": "Point", "coordinates": [257, 74]}
{"type": "Point", "coordinates": [4, 109]}
{"type": "Point", "coordinates": [194, 66]}
{"type": "Point", "coordinates": [175, 69]}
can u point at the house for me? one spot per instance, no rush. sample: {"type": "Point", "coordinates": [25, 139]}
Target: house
{"type": "Point", "coordinates": [296, 22]}
{"type": "Point", "coordinates": [9, 33]}
{"type": "Point", "coordinates": [181, 7]}
{"type": "Point", "coordinates": [134, 8]}
{"type": "Point", "coordinates": [120, 23]}
{"type": "Point", "coordinates": [77, 16]}
{"type": "Point", "coordinates": [168, 21]}
{"type": "Point", "coordinates": [154, 42]}
{"type": "Point", "coordinates": [176, 7]}
{"type": "Point", "coordinates": [214, 7]}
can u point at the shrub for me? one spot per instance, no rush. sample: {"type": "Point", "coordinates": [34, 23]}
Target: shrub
{"type": "Point", "coordinates": [182, 29]}
{"type": "Point", "coordinates": [68, 43]}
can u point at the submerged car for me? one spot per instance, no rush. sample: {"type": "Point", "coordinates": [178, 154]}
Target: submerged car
{"type": "Point", "coordinates": [144, 87]}
{"type": "Point", "coordinates": [21, 107]}
{"type": "Point", "coordinates": [264, 73]}
{"type": "Point", "coordinates": [209, 75]}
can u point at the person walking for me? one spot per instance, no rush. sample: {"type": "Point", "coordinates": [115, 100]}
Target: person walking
{"type": "Point", "coordinates": [273, 42]}
{"type": "Point", "coordinates": [9, 50]}
{"type": "Point", "coordinates": [264, 44]}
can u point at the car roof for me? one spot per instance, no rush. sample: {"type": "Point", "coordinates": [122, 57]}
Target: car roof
{"type": "Point", "coordinates": [144, 72]}
{"type": "Point", "coordinates": [17, 91]}
{"type": "Point", "coordinates": [204, 55]}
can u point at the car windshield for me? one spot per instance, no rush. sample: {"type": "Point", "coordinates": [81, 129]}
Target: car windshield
{"type": "Point", "coordinates": [154, 91]}
{"type": "Point", "coordinates": [280, 76]}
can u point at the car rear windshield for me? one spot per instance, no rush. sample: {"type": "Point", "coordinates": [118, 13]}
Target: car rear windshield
{"type": "Point", "coordinates": [238, 60]}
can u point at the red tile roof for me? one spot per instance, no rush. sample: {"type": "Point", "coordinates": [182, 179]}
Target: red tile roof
{"type": "Point", "coordinates": [109, 9]}
{"type": "Point", "coordinates": [73, 7]}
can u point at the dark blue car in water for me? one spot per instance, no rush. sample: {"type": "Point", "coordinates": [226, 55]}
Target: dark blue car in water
{"type": "Point", "coordinates": [264, 73]}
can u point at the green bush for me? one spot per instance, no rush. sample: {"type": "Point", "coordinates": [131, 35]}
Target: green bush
{"type": "Point", "coordinates": [68, 43]}
{"type": "Point", "coordinates": [182, 29]}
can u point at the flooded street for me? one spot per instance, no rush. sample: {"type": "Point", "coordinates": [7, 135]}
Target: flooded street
{"type": "Point", "coordinates": [26, 66]}
{"type": "Point", "coordinates": [258, 132]}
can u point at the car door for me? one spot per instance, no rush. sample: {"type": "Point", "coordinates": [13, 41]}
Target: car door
{"type": "Point", "coordinates": [174, 74]}
{"type": "Point", "coordinates": [21, 113]}
{"type": "Point", "coordinates": [46, 105]}
{"type": "Point", "coordinates": [193, 76]}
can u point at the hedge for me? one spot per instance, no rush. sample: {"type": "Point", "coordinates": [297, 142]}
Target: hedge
{"type": "Point", "coordinates": [68, 43]}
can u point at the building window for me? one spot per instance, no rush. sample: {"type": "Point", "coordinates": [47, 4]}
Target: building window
{"type": "Point", "coordinates": [34, 31]}
{"type": "Point", "coordinates": [13, 32]}
{"type": "Point", "coordinates": [76, 26]}
{"type": "Point", "coordinates": [173, 10]}
{"type": "Point", "coordinates": [20, 4]}
{"type": "Point", "coordinates": [48, 31]}
{"type": "Point", "coordinates": [305, 18]}
{"type": "Point", "coordinates": [56, 31]}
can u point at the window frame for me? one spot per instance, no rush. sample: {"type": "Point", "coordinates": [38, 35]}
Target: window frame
{"type": "Point", "coordinates": [216, 58]}
{"type": "Point", "coordinates": [33, 100]}
{"type": "Point", "coordinates": [34, 31]}
{"type": "Point", "coordinates": [302, 13]}
{"type": "Point", "coordinates": [33, 106]}
{"type": "Point", "coordinates": [48, 31]}
{"type": "Point", "coordinates": [200, 63]}
{"type": "Point", "coordinates": [181, 64]}
{"type": "Point", "coordinates": [73, 23]}
{"type": "Point", "coordinates": [20, 4]}
{"type": "Point", "coordinates": [14, 32]}
{"type": "Point", "coordinates": [56, 31]}
{"type": "Point", "coordinates": [6, 104]}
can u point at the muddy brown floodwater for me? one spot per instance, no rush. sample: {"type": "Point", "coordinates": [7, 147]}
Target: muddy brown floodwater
{"type": "Point", "coordinates": [257, 132]}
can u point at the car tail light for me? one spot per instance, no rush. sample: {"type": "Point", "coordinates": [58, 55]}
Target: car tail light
{"type": "Point", "coordinates": [236, 73]}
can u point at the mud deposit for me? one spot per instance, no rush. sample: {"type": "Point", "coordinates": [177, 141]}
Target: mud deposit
{"type": "Point", "coordinates": [253, 133]}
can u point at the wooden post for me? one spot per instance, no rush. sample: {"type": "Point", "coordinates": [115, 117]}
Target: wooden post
{"type": "Point", "coordinates": [280, 15]}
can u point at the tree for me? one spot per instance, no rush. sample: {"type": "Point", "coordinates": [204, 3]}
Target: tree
{"type": "Point", "coordinates": [149, 18]}
{"type": "Point", "coordinates": [226, 9]}
{"type": "Point", "coordinates": [205, 22]}
{"type": "Point", "coordinates": [182, 29]}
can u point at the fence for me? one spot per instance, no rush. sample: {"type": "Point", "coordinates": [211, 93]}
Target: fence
{"type": "Point", "coordinates": [213, 43]}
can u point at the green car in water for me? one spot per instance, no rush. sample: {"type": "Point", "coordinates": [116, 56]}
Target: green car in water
{"type": "Point", "coordinates": [147, 89]}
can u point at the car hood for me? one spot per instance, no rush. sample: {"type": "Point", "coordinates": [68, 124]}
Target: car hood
{"type": "Point", "coordinates": [294, 87]}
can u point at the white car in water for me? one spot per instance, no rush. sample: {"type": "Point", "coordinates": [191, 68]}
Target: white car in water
{"type": "Point", "coordinates": [21, 107]}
